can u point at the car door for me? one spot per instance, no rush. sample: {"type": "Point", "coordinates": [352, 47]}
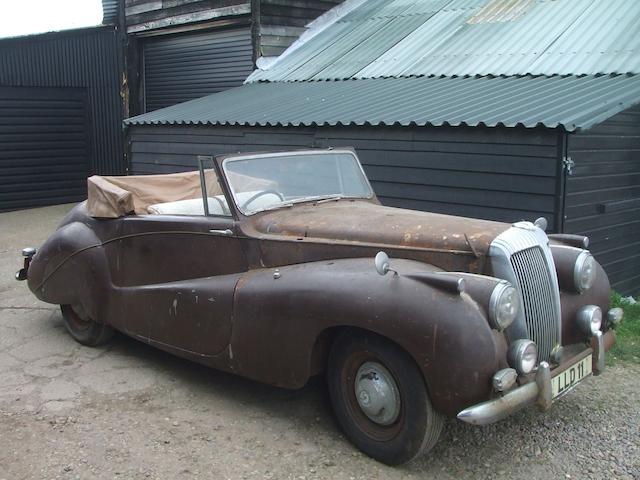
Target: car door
{"type": "Point", "coordinates": [176, 279]}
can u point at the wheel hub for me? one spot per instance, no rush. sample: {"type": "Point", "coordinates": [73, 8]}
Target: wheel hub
{"type": "Point", "coordinates": [377, 393]}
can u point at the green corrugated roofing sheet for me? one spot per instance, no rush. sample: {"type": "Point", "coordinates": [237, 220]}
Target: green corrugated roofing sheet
{"type": "Point", "coordinates": [403, 38]}
{"type": "Point", "coordinates": [571, 102]}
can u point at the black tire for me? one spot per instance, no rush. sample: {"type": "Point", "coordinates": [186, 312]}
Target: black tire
{"type": "Point", "coordinates": [416, 428]}
{"type": "Point", "coordinates": [83, 329]}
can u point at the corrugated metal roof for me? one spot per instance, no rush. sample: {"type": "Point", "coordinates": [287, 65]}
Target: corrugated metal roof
{"type": "Point", "coordinates": [401, 38]}
{"type": "Point", "coordinates": [572, 102]}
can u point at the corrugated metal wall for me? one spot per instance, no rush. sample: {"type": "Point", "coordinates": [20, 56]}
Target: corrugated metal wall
{"type": "Point", "coordinates": [603, 195]}
{"type": "Point", "coordinates": [44, 146]}
{"type": "Point", "coordinates": [495, 173]}
{"type": "Point", "coordinates": [86, 58]}
{"type": "Point", "coordinates": [178, 68]}
{"type": "Point", "coordinates": [110, 11]}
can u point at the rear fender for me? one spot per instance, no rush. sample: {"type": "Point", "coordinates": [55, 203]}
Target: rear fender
{"type": "Point", "coordinates": [70, 267]}
{"type": "Point", "coordinates": [280, 314]}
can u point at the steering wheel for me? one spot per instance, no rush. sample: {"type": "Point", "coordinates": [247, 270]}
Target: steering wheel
{"type": "Point", "coordinates": [260, 194]}
{"type": "Point", "coordinates": [223, 205]}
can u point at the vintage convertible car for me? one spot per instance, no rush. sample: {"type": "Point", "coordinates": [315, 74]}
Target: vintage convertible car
{"type": "Point", "coordinates": [275, 266]}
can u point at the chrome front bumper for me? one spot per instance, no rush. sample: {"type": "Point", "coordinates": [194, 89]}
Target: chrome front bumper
{"type": "Point", "coordinates": [538, 391]}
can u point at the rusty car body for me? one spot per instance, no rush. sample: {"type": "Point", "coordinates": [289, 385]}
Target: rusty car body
{"type": "Point", "coordinates": [469, 318]}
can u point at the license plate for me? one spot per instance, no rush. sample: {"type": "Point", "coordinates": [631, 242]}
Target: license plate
{"type": "Point", "coordinates": [565, 381]}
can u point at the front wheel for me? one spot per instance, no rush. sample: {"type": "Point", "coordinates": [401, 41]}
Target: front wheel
{"type": "Point", "coordinates": [83, 329]}
{"type": "Point", "coordinates": [380, 399]}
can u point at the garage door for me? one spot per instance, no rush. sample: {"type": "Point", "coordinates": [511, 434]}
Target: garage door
{"type": "Point", "coordinates": [178, 68]}
{"type": "Point", "coordinates": [44, 146]}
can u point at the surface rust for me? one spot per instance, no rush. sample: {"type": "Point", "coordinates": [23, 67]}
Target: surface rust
{"type": "Point", "coordinates": [217, 299]}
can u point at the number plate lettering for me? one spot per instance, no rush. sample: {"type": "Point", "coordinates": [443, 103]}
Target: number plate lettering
{"type": "Point", "coordinates": [565, 381]}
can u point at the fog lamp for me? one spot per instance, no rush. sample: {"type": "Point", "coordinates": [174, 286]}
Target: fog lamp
{"type": "Point", "coordinates": [504, 379]}
{"type": "Point", "coordinates": [523, 355]}
{"type": "Point", "coordinates": [589, 319]}
{"type": "Point", "coordinates": [615, 315]}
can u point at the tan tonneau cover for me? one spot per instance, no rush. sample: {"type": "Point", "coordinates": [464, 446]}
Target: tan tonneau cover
{"type": "Point", "coordinates": [112, 197]}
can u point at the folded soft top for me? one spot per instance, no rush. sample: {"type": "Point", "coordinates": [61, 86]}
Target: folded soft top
{"type": "Point", "coordinates": [113, 197]}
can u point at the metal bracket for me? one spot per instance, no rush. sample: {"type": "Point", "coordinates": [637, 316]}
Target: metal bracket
{"type": "Point", "coordinates": [568, 164]}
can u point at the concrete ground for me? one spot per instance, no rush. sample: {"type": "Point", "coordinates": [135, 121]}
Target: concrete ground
{"type": "Point", "coordinates": [129, 411]}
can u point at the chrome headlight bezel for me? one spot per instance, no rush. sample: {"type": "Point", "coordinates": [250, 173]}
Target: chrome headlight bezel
{"type": "Point", "coordinates": [584, 271]}
{"type": "Point", "coordinates": [500, 314]}
{"type": "Point", "coordinates": [590, 319]}
{"type": "Point", "coordinates": [523, 356]}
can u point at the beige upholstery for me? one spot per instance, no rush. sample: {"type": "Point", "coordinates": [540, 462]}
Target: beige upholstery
{"type": "Point", "coordinates": [189, 207]}
{"type": "Point", "coordinates": [217, 205]}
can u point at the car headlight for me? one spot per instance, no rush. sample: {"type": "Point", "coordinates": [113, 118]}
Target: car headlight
{"type": "Point", "coordinates": [584, 271]}
{"type": "Point", "coordinates": [522, 355]}
{"type": "Point", "coordinates": [503, 305]}
{"type": "Point", "coordinates": [590, 319]}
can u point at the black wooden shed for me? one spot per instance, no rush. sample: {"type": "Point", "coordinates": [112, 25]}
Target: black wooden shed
{"type": "Point", "coordinates": [60, 115]}
{"type": "Point", "coordinates": [496, 113]}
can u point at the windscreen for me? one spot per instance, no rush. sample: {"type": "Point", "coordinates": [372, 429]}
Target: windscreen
{"type": "Point", "coordinates": [295, 177]}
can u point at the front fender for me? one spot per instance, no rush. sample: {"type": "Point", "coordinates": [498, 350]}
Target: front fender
{"type": "Point", "coordinates": [564, 257]}
{"type": "Point", "coordinates": [278, 318]}
{"type": "Point", "coordinates": [570, 302]}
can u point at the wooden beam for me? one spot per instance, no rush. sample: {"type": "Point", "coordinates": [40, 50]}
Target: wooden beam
{"type": "Point", "coordinates": [255, 32]}
{"type": "Point", "coordinates": [235, 10]}
{"type": "Point", "coordinates": [281, 30]}
{"type": "Point", "coordinates": [143, 7]}
{"type": "Point", "coordinates": [241, 21]}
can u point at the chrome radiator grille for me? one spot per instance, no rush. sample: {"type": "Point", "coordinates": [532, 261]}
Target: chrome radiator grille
{"type": "Point", "coordinates": [536, 287]}
{"type": "Point", "coordinates": [522, 256]}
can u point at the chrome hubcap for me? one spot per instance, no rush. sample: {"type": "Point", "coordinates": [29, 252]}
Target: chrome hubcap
{"type": "Point", "coordinates": [377, 393]}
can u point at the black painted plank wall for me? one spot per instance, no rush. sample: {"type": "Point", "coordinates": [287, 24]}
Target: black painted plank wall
{"type": "Point", "coordinates": [494, 173]}
{"type": "Point", "coordinates": [603, 195]}
{"type": "Point", "coordinates": [44, 146]}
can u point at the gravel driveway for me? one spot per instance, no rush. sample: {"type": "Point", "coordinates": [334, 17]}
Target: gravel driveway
{"type": "Point", "coordinates": [129, 411]}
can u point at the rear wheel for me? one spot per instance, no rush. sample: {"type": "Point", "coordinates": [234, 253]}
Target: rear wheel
{"type": "Point", "coordinates": [83, 329]}
{"type": "Point", "coordinates": [380, 399]}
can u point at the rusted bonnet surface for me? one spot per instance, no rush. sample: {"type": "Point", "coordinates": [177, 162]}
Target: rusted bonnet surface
{"type": "Point", "coordinates": [367, 222]}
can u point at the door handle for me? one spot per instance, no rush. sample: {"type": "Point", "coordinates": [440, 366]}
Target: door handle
{"type": "Point", "coordinates": [226, 232]}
